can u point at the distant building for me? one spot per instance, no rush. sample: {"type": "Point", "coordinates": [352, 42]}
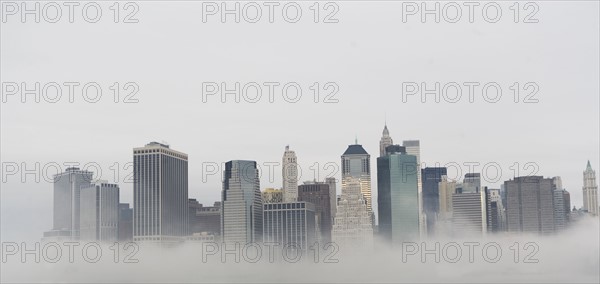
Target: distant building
{"type": "Point", "coordinates": [290, 175]}
{"type": "Point", "coordinates": [356, 163]}
{"type": "Point", "coordinates": [242, 211]}
{"type": "Point", "coordinates": [353, 227]}
{"type": "Point", "coordinates": [590, 191]}
{"type": "Point", "coordinates": [530, 205]}
{"type": "Point", "coordinates": [160, 194]}
{"type": "Point", "coordinates": [318, 194]}
{"type": "Point", "coordinates": [397, 196]}
{"type": "Point", "coordinates": [472, 183]}
{"type": "Point", "coordinates": [413, 147]}
{"type": "Point", "coordinates": [67, 191]}
{"type": "Point", "coordinates": [495, 211]}
{"type": "Point", "coordinates": [431, 199]}
{"type": "Point", "coordinates": [446, 189]}
{"type": "Point", "coordinates": [125, 233]}
{"type": "Point", "coordinates": [332, 183]}
{"type": "Point", "coordinates": [205, 219]}
{"type": "Point", "coordinates": [562, 209]}
{"type": "Point", "coordinates": [469, 213]}
{"type": "Point", "coordinates": [290, 224]}
{"type": "Point", "coordinates": [272, 195]}
{"type": "Point", "coordinates": [100, 212]}
{"type": "Point", "coordinates": [386, 140]}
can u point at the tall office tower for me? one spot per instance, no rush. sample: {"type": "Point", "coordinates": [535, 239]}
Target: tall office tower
{"type": "Point", "coordinates": [318, 194]}
{"type": "Point", "coordinates": [160, 193]}
{"type": "Point", "coordinates": [385, 141]}
{"type": "Point", "coordinates": [562, 209]}
{"type": "Point", "coordinates": [332, 195]}
{"type": "Point", "coordinates": [469, 212]}
{"type": "Point", "coordinates": [529, 205]}
{"type": "Point", "coordinates": [272, 195]}
{"type": "Point", "coordinates": [290, 175]}
{"type": "Point", "coordinates": [446, 189]}
{"type": "Point", "coordinates": [125, 223]}
{"type": "Point", "coordinates": [495, 210]}
{"type": "Point", "coordinates": [205, 219]}
{"type": "Point", "coordinates": [100, 212]}
{"type": "Point", "coordinates": [472, 183]}
{"type": "Point", "coordinates": [290, 224]}
{"type": "Point", "coordinates": [353, 225]}
{"type": "Point", "coordinates": [397, 196]}
{"type": "Point", "coordinates": [557, 182]}
{"type": "Point", "coordinates": [431, 198]}
{"type": "Point", "coordinates": [590, 190]}
{"type": "Point", "coordinates": [242, 207]}
{"type": "Point", "coordinates": [356, 163]}
{"type": "Point", "coordinates": [413, 148]}
{"type": "Point", "coordinates": [67, 191]}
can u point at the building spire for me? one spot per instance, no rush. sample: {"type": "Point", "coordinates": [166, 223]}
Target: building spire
{"type": "Point", "coordinates": [589, 166]}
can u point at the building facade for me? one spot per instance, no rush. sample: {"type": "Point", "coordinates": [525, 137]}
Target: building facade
{"type": "Point", "coordinates": [290, 224]}
{"type": "Point", "coordinates": [100, 212]}
{"type": "Point", "coordinates": [530, 205]}
{"type": "Point", "coordinates": [431, 176]}
{"type": "Point", "coordinates": [386, 140]}
{"type": "Point", "coordinates": [125, 223]}
{"type": "Point", "coordinates": [160, 194]}
{"type": "Point", "coordinates": [318, 194]}
{"type": "Point", "coordinates": [272, 195]}
{"type": "Point", "coordinates": [242, 211]}
{"type": "Point", "coordinates": [469, 213]}
{"type": "Point", "coordinates": [353, 227]}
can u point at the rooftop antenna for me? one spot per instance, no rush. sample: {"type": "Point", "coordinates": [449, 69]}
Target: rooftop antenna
{"type": "Point", "coordinates": [355, 139]}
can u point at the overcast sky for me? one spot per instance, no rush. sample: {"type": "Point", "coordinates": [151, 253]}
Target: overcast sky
{"type": "Point", "coordinates": [368, 55]}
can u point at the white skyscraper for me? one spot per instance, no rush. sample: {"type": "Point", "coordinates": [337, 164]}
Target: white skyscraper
{"type": "Point", "coordinates": [385, 141]}
{"type": "Point", "coordinates": [353, 225]}
{"type": "Point", "coordinates": [290, 175]}
{"type": "Point", "coordinates": [590, 191]}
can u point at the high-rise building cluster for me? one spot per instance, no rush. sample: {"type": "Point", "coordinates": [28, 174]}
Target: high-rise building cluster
{"type": "Point", "coordinates": [412, 202]}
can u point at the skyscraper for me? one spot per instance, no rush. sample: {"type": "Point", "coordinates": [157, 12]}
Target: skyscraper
{"type": "Point", "coordinates": [472, 183]}
{"type": "Point", "coordinates": [495, 210]}
{"type": "Point", "coordinates": [205, 219]}
{"type": "Point", "coordinates": [397, 195]}
{"type": "Point", "coordinates": [319, 195]}
{"type": "Point", "coordinates": [290, 175]}
{"type": "Point", "coordinates": [100, 212]}
{"type": "Point", "coordinates": [469, 212]}
{"type": "Point", "coordinates": [353, 225]}
{"type": "Point", "coordinates": [413, 147]}
{"type": "Point", "coordinates": [590, 190]}
{"type": "Point", "coordinates": [530, 205]}
{"type": "Point", "coordinates": [290, 224]}
{"type": "Point", "coordinates": [125, 223]}
{"type": "Point", "coordinates": [67, 194]}
{"type": "Point", "coordinates": [332, 195]}
{"type": "Point", "coordinates": [356, 163]}
{"type": "Point", "coordinates": [242, 211]}
{"type": "Point", "coordinates": [431, 198]}
{"type": "Point", "coordinates": [160, 193]}
{"type": "Point", "coordinates": [385, 141]}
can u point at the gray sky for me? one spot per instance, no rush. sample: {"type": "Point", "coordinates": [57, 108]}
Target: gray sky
{"type": "Point", "coordinates": [368, 54]}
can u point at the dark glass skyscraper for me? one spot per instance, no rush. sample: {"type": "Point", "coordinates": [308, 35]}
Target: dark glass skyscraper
{"type": "Point", "coordinates": [431, 177]}
{"type": "Point", "coordinates": [318, 194]}
{"type": "Point", "coordinates": [398, 195]}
